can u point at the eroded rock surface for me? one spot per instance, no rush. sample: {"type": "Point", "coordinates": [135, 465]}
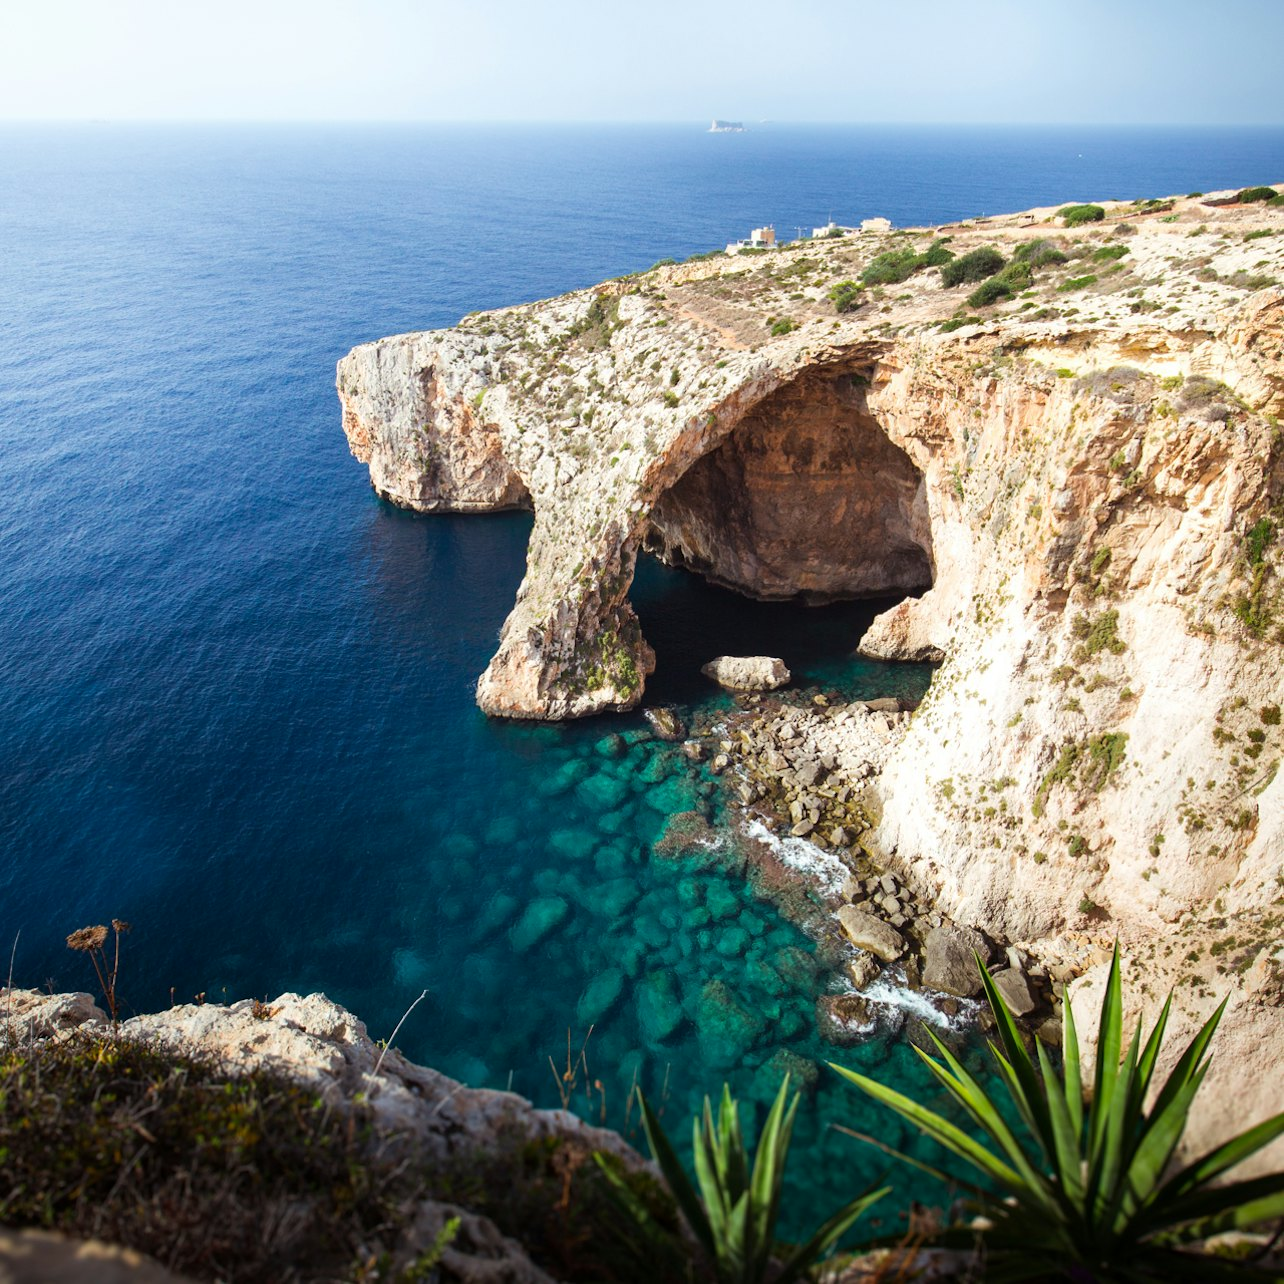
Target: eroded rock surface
{"type": "Point", "coordinates": [1084, 482]}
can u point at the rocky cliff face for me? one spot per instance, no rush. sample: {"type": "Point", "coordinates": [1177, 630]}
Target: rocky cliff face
{"type": "Point", "coordinates": [1086, 478]}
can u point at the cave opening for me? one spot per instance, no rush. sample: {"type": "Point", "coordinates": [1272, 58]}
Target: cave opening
{"type": "Point", "coordinates": [807, 508]}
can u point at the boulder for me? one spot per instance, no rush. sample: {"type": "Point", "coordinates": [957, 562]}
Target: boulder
{"type": "Point", "coordinates": [842, 1018]}
{"type": "Point", "coordinates": [1015, 991]}
{"type": "Point", "coordinates": [863, 969]}
{"type": "Point", "coordinates": [869, 933]}
{"type": "Point", "coordinates": [884, 704]}
{"type": "Point", "coordinates": [747, 672]}
{"type": "Point", "coordinates": [666, 724]}
{"type": "Point", "coordinates": [949, 964]}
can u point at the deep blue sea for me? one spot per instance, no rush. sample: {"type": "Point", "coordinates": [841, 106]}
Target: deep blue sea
{"type": "Point", "coordinates": [236, 688]}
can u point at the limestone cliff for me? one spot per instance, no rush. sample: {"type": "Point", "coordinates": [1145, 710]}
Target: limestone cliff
{"type": "Point", "coordinates": [1085, 477]}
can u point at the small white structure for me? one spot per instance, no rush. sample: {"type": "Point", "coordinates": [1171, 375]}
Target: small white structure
{"type": "Point", "coordinates": [830, 229]}
{"type": "Point", "coordinates": [876, 225]}
{"type": "Point", "coordinates": [761, 238]}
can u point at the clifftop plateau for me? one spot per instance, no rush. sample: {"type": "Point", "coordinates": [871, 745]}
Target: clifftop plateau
{"type": "Point", "coordinates": [1069, 466]}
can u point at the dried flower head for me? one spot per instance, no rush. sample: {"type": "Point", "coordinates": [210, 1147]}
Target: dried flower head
{"type": "Point", "coordinates": [121, 927]}
{"type": "Point", "coordinates": [87, 939]}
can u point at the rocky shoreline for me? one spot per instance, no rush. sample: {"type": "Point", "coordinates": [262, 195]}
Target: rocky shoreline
{"type": "Point", "coordinates": [793, 774]}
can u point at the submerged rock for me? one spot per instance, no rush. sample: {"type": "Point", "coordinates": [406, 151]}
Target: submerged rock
{"type": "Point", "coordinates": [747, 672]}
{"type": "Point", "coordinates": [803, 1074]}
{"type": "Point", "coordinates": [666, 724]}
{"type": "Point", "coordinates": [658, 1005]}
{"type": "Point", "coordinates": [600, 995]}
{"type": "Point", "coordinates": [541, 919]}
{"type": "Point", "coordinates": [726, 1029]}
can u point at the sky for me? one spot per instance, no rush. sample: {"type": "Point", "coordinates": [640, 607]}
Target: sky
{"type": "Point", "coordinates": [926, 61]}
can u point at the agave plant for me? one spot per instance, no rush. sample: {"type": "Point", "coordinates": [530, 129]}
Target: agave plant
{"type": "Point", "coordinates": [733, 1215]}
{"type": "Point", "coordinates": [1088, 1196]}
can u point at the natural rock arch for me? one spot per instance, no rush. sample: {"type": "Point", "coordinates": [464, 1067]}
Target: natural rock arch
{"type": "Point", "coordinates": [805, 497]}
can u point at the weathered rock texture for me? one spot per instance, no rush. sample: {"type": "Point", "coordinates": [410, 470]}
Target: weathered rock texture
{"type": "Point", "coordinates": [314, 1041]}
{"type": "Point", "coordinates": [1086, 479]}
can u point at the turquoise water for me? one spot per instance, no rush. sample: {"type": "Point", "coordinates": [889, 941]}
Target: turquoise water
{"type": "Point", "coordinates": [236, 688]}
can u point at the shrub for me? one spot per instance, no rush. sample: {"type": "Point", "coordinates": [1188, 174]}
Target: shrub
{"type": "Point", "coordinates": [989, 292]}
{"type": "Point", "coordinates": [1206, 399]}
{"type": "Point", "coordinates": [783, 326]}
{"type": "Point", "coordinates": [974, 266]}
{"type": "Point", "coordinates": [1002, 285]}
{"type": "Point", "coordinates": [1276, 200]}
{"type": "Point", "coordinates": [936, 255]}
{"type": "Point", "coordinates": [248, 1177]}
{"type": "Point", "coordinates": [1076, 283]}
{"type": "Point", "coordinates": [891, 268]}
{"type": "Point", "coordinates": [1250, 195]}
{"type": "Point", "coordinates": [1077, 215]}
{"type": "Point", "coordinates": [896, 266]}
{"type": "Point", "coordinates": [846, 296]}
{"type": "Point", "coordinates": [1109, 253]}
{"type": "Point", "coordinates": [955, 323]}
{"type": "Point", "coordinates": [1040, 253]}
{"type": "Point", "coordinates": [1099, 634]}
{"type": "Point", "coordinates": [1082, 1190]}
{"type": "Point", "coordinates": [733, 1217]}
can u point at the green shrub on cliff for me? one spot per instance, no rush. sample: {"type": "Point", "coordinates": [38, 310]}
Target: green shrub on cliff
{"type": "Point", "coordinates": [971, 267]}
{"type": "Point", "coordinates": [169, 1155]}
{"type": "Point", "coordinates": [1002, 285]}
{"type": "Point", "coordinates": [1084, 1191]}
{"type": "Point", "coordinates": [1251, 195]}
{"type": "Point", "coordinates": [1077, 215]}
{"type": "Point", "coordinates": [891, 268]}
{"type": "Point", "coordinates": [846, 296]}
{"type": "Point", "coordinates": [1040, 253]}
{"type": "Point", "coordinates": [895, 266]}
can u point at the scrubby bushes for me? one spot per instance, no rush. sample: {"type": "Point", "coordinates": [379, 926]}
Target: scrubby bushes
{"type": "Point", "coordinates": [846, 296]}
{"type": "Point", "coordinates": [1077, 215]}
{"type": "Point", "coordinates": [890, 268]}
{"type": "Point", "coordinates": [1002, 285]}
{"type": "Point", "coordinates": [894, 266]}
{"type": "Point", "coordinates": [1040, 253]}
{"type": "Point", "coordinates": [973, 266]}
{"type": "Point", "coordinates": [1109, 253]}
{"type": "Point", "coordinates": [1252, 194]}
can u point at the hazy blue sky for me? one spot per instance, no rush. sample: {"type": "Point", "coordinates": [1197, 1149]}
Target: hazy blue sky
{"type": "Point", "coordinates": [1165, 61]}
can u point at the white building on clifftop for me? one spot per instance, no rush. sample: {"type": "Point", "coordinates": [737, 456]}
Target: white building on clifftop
{"type": "Point", "coordinates": [761, 238]}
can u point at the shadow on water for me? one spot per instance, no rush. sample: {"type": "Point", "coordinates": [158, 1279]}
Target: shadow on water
{"type": "Point", "coordinates": [689, 621]}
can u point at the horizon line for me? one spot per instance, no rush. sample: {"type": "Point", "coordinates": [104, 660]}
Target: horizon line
{"type": "Point", "coordinates": [749, 127]}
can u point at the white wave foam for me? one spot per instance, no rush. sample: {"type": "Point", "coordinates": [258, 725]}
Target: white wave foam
{"type": "Point", "coordinates": [914, 1003]}
{"type": "Point", "coordinates": [826, 871]}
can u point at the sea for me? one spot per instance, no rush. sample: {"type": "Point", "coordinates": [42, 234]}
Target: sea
{"type": "Point", "coordinates": [236, 688]}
